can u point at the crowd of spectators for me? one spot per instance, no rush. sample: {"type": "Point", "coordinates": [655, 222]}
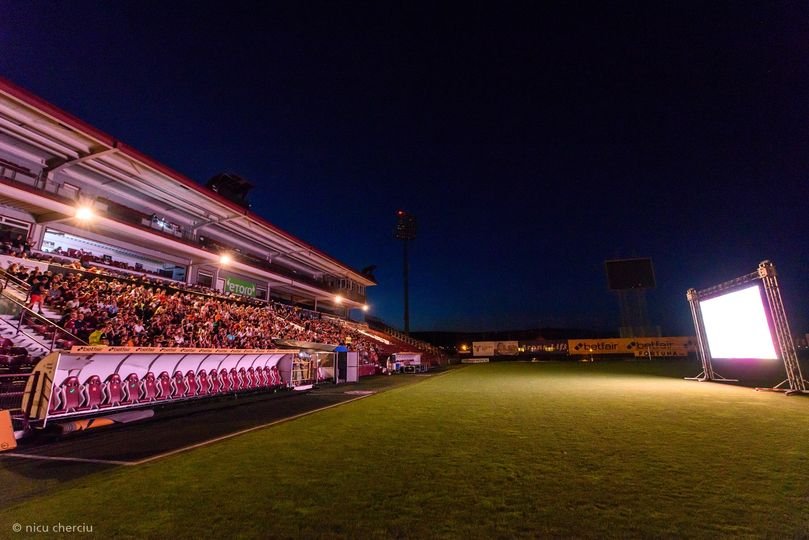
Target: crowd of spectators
{"type": "Point", "coordinates": [14, 244]}
{"type": "Point", "coordinates": [87, 262]}
{"type": "Point", "coordinates": [103, 309]}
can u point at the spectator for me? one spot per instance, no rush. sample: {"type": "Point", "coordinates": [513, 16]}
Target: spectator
{"type": "Point", "coordinates": [18, 245]}
{"type": "Point", "coordinates": [39, 287]}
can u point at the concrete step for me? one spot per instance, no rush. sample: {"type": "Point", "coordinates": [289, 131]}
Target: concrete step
{"type": "Point", "coordinates": [9, 330]}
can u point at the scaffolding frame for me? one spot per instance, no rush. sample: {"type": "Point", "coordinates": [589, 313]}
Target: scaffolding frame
{"type": "Point", "coordinates": [766, 274]}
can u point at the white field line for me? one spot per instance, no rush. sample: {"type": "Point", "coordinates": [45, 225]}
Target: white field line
{"type": "Point", "coordinates": [193, 446]}
{"type": "Point", "coordinates": [242, 432]}
{"type": "Point", "coordinates": [60, 458]}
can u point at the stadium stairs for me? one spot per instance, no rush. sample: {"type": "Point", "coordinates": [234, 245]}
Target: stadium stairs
{"type": "Point", "coordinates": [23, 345]}
{"type": "Point", "coordinates": [389, 341]}
{"type": "Point", "coordinates": [403, 342]}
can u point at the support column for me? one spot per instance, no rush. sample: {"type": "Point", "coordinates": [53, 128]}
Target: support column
{"type": "Point", "coordinates": [786, 346]}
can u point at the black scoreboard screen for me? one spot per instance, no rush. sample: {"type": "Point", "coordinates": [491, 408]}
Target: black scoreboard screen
{"type": "Point", "coordinates": [630, 274]}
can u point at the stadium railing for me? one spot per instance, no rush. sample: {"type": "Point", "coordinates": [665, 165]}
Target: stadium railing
{"type": "Point", "coordinates": [9, 283]}
{"type": "Point", "coordinates": [41, 330]}
{"type": "Point", "coordinates": [381, 326]}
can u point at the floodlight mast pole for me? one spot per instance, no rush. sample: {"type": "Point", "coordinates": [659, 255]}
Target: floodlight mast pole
{"type": "Point", "coordinates": [405, 231]}
{"type": "Point", "coordinates": [406, 276]}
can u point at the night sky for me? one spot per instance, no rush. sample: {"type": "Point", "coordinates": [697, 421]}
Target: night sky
{"type": "Point", "coordinates": [532, 144]}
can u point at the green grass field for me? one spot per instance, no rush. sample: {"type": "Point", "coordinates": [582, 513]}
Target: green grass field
{"type": "Point", "coordinates": [487, 451]}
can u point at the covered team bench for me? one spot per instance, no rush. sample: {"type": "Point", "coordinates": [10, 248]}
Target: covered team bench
{"type": "Point", "coordinates": [109, 381]}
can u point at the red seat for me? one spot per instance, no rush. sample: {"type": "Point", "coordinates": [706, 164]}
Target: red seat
{"type": "Point", "coordinates": [164, 386]}
{"type": "Point", "coordinates": [131, 388]}
{"type": "Point", "coordinates": [178, 387]}
{"type": "Point", "coordinates": [204, 385]}
{"type": "Point", "coordinates": [261, 377]}
{"type": "Point", "coordinates": [226, 384]}
{"type": "Point", "coordinates": [244, 382]}
{"type": "Point", "coordinates": [216, 385]}
{"type": "Point", "coordinates": [18, 355]}
{"type": "Point", "coordinates": [191, 383]}
{"type": "Point", "coordinates": [279, 381]}
{"type": "Point", "coordinates": [64, 343]}
{"type": "Point", "coordinates": [18, 351]}
{"type": "Point", "coordinates": [148, 387]}
{"type": "Point", "coordinates": [251, 377]}
{"type": "Point", "coordinates": [235, 382]}
{"type": "Point", "coordinates": [93, 392]}
{"type": "Point", "coordinates": [268, 376]}
{"type": "Point", "coordinates": [272, 375]}
{"type": "Point", "coordinates": [113, 391]}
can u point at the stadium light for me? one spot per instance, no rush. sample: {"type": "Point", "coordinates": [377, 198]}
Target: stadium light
{"type": "Point", "coordinates": [225, 259]}
{"type": "Point", "coordinates": [365, 307]}
{"type": "Point", "coordinates": [338, 299]}
{"type": "Point", "coordinates": [84, 213]}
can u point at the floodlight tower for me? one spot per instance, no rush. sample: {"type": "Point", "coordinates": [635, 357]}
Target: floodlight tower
{"type": "Point", "coordinates": [630, 279]}
{"type": "Point", "coordinates": [405, 231]}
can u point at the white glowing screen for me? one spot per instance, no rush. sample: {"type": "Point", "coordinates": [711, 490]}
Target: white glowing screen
{"type": "Point", "coordinates": [736, 325]}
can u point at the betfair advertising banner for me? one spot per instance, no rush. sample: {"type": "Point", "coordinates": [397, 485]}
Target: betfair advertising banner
{"type": "Point", "coordinates": [661, 346]}
{"type": "Point", "coordinates": [240, 286]}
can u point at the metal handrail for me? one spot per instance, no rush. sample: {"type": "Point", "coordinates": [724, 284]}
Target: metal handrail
{"type": "Point", "coordinates": [43, 320]}
{"type": "Point", "coordinates": [7, 277]}
{"type": "Point", "coordinates": [405, 338]}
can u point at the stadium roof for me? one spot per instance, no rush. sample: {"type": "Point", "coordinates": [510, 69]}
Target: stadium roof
{"type": "Point", "coordinates": [66, 144]}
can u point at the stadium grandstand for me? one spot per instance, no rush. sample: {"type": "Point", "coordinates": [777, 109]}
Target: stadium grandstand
{"type": "Point", "coordinates": [103, 246]}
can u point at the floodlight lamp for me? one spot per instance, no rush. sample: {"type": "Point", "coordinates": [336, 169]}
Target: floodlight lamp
{"type": "Point", "coordinates": [84, 213]}
{"type": "Point", "coordinates": [225, 259]}
{"type": "Point", "coordinates": [365, 307]}
{"type": "Point", "coordinates": [406, 226]}
{"type": "Point", "coordinates": [338, 299]}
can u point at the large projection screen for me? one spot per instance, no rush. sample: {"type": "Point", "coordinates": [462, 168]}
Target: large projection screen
{"type": "Point", "coordinates": [736, 325]}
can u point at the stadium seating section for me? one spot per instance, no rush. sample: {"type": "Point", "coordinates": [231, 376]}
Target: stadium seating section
{"type": "Point", "coordinates": [126, 310]}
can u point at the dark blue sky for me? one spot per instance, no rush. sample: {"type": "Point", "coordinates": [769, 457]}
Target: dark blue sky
{"type": "Point", "coordinates": [531, 143]}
